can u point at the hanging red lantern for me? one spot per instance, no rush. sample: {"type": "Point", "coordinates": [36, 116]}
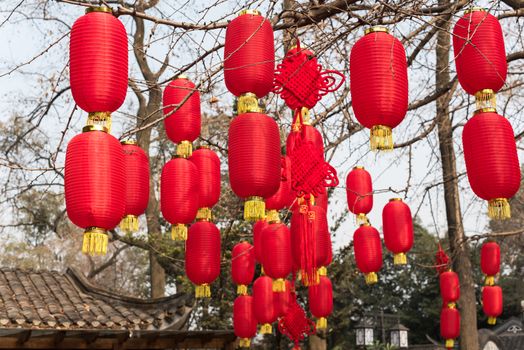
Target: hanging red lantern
{"type": "Point", "coordinates": [208, 166]}
{"type": "Point", "coordinates": [203, 256]}
{"type": "Point", "coordinates": [359, 192]}
{"type": "Point", "coordinates": [242, 266]}
{"type": "Point", "coordinates": [303, 130]}
{"type": "Point", "coordinates": [449, 288]}
{"type": "Point", "coordinates": [323, 253]}
{"type": "Point", "coordinates": [284, 196]}
{"type": "Point", "coordinates": [182, 122]}
{"type": "Point", "coordinates": [137, 185]}
{"type": "Point", "coordinates": [254, 161]}
{"type": "Point", "coordinates": [179, 195]}
{"type": "Point", "coordinates": [480, 56]}
{"type": "Point", "coordinates": [368, 252]}
{"type": "Point", "coordinates": [398, 229]}
{"type": "Point", "coordinates": [98, 58]}
{"type": "Point", "coordinates": [276, 243]}
{"type": "Point", "coordinates": [244, 321]}
{"type": "Point", "coordinates": [264, 304]}
{"type": "Point", "coordinates": [258, 229]}
{"type": "Point", "coordinates": [95, 203]}
{"type": "Point", "coordinates": [321, 301]}
{"type": "Point", "coordinates": [492, 303]}
{"type": "Point", "coordinates": [379, 85]}
{"type": "Point", "coordinates": [492, 162]}
{"type": "Point", "coordinates": [321, 199]}
{"type": "Point", "coordinates": [282, 299]}
{"type": "Point", "coordinates": [449, 325]}
{"type": "Point", "coordinates": [490, 261]}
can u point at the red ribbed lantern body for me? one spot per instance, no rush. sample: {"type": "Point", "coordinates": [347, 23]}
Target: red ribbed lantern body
{"type": "Point", "coordinates": [244, 321]}
{"type": "Point", "coordinates": [321, 298]}
{"type": "Point", "coordinates": [179, 191]}
{"type": "Point", "coordinates": [480, 56]}
{"type": "Point", "coordinates": [258, 230]}
{"type": "Point", "coordinates": [284, 196]}
{"type": "Point", "coordinates": [243, 263]}
{"type": "Point", "coordinates": [492, 301]}
{"type": "Point", "coordinates": [184, 123]}
{"type": "Point", "coordinates": [282, 300]}
{"type": "Point", "coordinates": [449, 323]}
{"type": "Point", "coordinates": [208, 167]}
{"type": "Point", "coordinates": [98, 62]}
{"type": "Point", "coordinates": [379, 80]}
{"type": "Point", "coordinates": [359, 191]}
{"type": "Point", "coordinates": [308, 133]}
{"type": "Point", "coordinates": [491, 156]}
{"type": "Point", "coordinates": [276, 243]}
{"type": "Point", "coordinates": [263, 300]}
{"type": "Point", "coordinates": [449, 287]}
{"type": "Point", "coordinates": [322, 199]}
{"type": "Point", "coordinates": [249, 55]}
{"type": "Point", "coordinates": [95, 201]}
{"type": "Point", "coordinates": [137, 179]}
{"type": "Point", "coordinates": [322, 237]}
{"type": "Point", "coordinates": [254, 155]}
{"type": "Point", "coordinates": [368, 249]}
{"type": "Point", "coordinates": [398, 226]}
{"type": "Point", "coordinates": [490, 258]}
{"type": "Point", "coordinates": [203, 253]}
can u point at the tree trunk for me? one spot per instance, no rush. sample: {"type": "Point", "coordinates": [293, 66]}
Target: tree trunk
{"type": "Point", "coordinates": [459, 249]}
{"type": "Point", "coordinates": [317, 343]}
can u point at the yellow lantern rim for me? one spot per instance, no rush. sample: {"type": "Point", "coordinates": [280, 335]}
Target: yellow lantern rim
{"type": "Point", "coordinates": [376, 29]}
{"type": "Point", "coordinates": [103, 9]}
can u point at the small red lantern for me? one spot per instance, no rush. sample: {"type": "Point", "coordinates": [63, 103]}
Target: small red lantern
{"type": "Point", "coordinates": [379, 84]}
{"type": "Point", "coordinates": [359, 191]}
{"type": "Point", "coordinates": [449, 288]}
{"type": "Point", "coordinates": [182, 112]}
{"type": "Point", "coordinates": [480, 55]}
{"type": "Point", "coordinates": [264, 305]}
{"type": "Point", "coordinates": [490, 261]}
{"type": "Point", "coordinates": [242, 266]}
{"type": "Point", "coordinates": [282, 299]}
{"type": "Point", "coordinates": [492, 162]}
{"type": "Point", "coordinates": [137, 185]}
{"type": "Point", "coordinates": [244, 321]}
{"type": "Point", "coordinates": [492, 303]}
{"type": "Point", "coordinates": [398, 229]}
{"type": "Point", "coordinates": [368, 252]}
{"type": "Point", "coordinates": [208, 166]}
{"type": "Point", "coordinates": [449, 325]}
{"type": "Point", "coordinates": [258, 229]}
{"type": "Point", "coordinates": [276, 243]}
{"type": "Point", "coordinates": [179, 195]}
{"type": "Point", "coordinates": [321, 301]}
{"type": "Point", "coordinates": [254, 161]}
{"type": "Point", "coordinates": [203, 256]}
{"type": "Point", "coordinates": [284, 196]}
{"type": "Point", "coordinates": [323, 253]}
{"type": "Point", "coordinates": [95, 203]}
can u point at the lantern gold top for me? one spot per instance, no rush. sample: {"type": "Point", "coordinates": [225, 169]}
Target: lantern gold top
{"type": "Point", "coordinates": [89, 128]}
{"type": "Point", "coordinates": [358, 167]}
{"type": "Point", "coordinates": [365, 224]}
{"type": "Point", "coordinates": [485, 110]}
{"type": "Point", "coordinates": [376, 29]}
{"type": "Point", "coordinates": [182, 76]}
{"type": "Point", "coordinates": [249, 12]}
{"type": "Point", "coordinates": [395, 200]}
{"type": "Point", "coordinates": [474, 9]}
{"type": "Point", "coordinates": [128, 142]}
{"type": "Point", "coordinates": [104, 9]}
{"type": "Point", "coordinates": [203, 147]}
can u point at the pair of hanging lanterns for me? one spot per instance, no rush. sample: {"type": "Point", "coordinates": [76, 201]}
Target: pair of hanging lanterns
{"type": "Point", "coordinates": [491, 294]}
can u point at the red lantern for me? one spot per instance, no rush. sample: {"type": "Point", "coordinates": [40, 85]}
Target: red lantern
{"type": "Point", "coordinates": [322, 199]}
{"type": "Point", "coordinates": [306, 133]}
{"type": "Point", "coordinates": [254, 161]}
{"type": "Point", "coordinates": [490, 261]}
{"type": "Point", "coordinates": [449, 287]}
{"type": "Point", "coordinates": [492, 162]}
{"type": "Point", "coordinates": [95, 203]}
{"type": "Point", "coordinates": [284, 196]}
{"type": "Point", "coordinates": [258, 229]}
{"type": "Point", "coordinates": [321, 301]}
{"type": "Point", "coordinates": [449, 325]}
{"type": "Point", "coordinates": [182, 122]}
{"type": "Point", "coordinates": [244, 321]}
{"type": "Point", "coordinates": [98, 64]}
{"type": "Point", "coordinates": [282, 299]}
{"type": "Point", "coordinates": [492, 303]}
{"type": "Point", "coordinates": [359, 192]}
{"type": "Point", "coordinates": [264, 305]}
{"type": "Point", "coordinates": [242, 266]}
{"type": "Point", "coordinates": [323, 253]}
{"type": "Point", "coordinates": [179, 195]}
{"type": "Point", "coordinates": [368, 252]}
{"type": "Point", "coordinates": [379, 84]}
{"type": "Point", "coordinates": [398, 229]}
{"type": "Point", "coordinates": [480, 55]}
{"type": "Point", "coordinates": [203, 256]}
{"type": "Point", "coordinates": [208, 166]}
{"type": "Point", "coordinates": [137, 185]}
{"type": "Point", "coordinates": [276, 243]}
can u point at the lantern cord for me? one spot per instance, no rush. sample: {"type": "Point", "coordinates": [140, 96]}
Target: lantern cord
{"type": "Point", "coordinates": [129, 224]}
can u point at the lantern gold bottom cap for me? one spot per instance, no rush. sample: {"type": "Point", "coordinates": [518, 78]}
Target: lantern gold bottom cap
{"type": "Point", "coordinates": [179, 232]}
{"type": "Point", "coordinates": [279, 285]}
{"type": "Point", "coordinates": [129, 224]}
{"type": "Point", "coordinates": [381, 138]}
{"type": "Point", "coordinates": [489, 281]}
{"type": "Point", "coordinates": [499, 209]}
{"type": "Point", "coordinates": [95, 241]}
{"type": "Point", "coordinates": [266, 328]}
{"type": "Point", "coordinates": [254, 209]}
{"type": "Point", "coordinates": [450, 343]}
{"type": "Point", "coordinates": [244, 342]}
{"type": "Point", "coordinates": [322, 323]}
{"type": "Point", "coordinates": [492, 321]}
{"type": "Point", "coordinates": [400, 259]}
{"type": "Point", "coordinates": [371, 278]}
{"type": "Point", "coordinates": [203, 291]}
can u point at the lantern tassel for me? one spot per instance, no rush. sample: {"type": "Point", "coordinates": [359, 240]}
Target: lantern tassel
{"type": "Point", "coordinates": [485, 99]}
{"type": "Point", "coordinates": [266, 328]}
{"type": "Point", "coordinates": [362, 219]}
{"type": "Point", "coordinates": [489, 281]}
{"type": "Point", "coordinates": [244, 342]}
{"type": "Point", "coordinates": [279, 285]}
{"type": "Point", "coordinates": [492, 321]}
{"type": "Point", "coordinates": [95, 241]}
{"type": "Point", "coordinates": [322, 271]}
{"type": "Point", "coordinates": [100, 118]}
{"type": "Point", "coordinates": [254, 209]}
{"type": "Point", "coordinates": [179, 232]}
{"type": "Point", "coordinates": [184, 149]}
{"type": "Point", "coordinates": [272, 216]}
{"type": "Point", "coordinates": [203, 291]}
{"type": "Point", "coordinates": [381, 138]}
{"type": "Point", "coordinates": [248, 102]}
{"type": "Point", "coordinates": [242, 289]}
{"type": "Point", "coordinates": [450, 343]}
{"type": "Point", "coordinates": [499, 209]}
{"type": "Point", "coordinates": [129, 224]}
{"type": "Point", "coordinates": [400, 259]}
{"type": "Point", "coordinates": [322, 323]}
{"type": "Point", "coordinates": [371, 278]}
{"type": "Point", "coordinates": [204, 213]}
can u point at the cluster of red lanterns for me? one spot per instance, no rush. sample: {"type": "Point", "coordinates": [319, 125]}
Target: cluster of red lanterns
{"type": "Point", "coordinates": [491, 294]}
{"type": "Point", "coordinates": [449, 314]}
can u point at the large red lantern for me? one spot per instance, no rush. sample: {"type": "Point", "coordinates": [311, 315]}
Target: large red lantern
{"type": "Point", "coordinates": [258, 229]}
{"type": "Point", "coordinates": [137, 185]}
{"type": "Point", "coordinates": [254, 161]}
{"type": "Point", "coordinates": [95, 203]}
{"type": "Point", "coordinates": [359, 192]}
{"type": "Point", "coordinates": [368, 252]}
{"type": "Point", "coordinates": [283, 299]}
{"type": "Point", "coordinates": [284, 196]}
{"type": "Point", "coordinates": [98, 64]}
{"type": "Point", "coordinates": [492, 162]}
{"type": "Point", "coordinates": [264, 304]}
{"type": "Point", "coordinates": [449, 325]}
{"type": "Point", "coordinates": [182, 111]}
{"type": "Point", "coordinates": [490, 261]}
{"type": "Point", "coordinates": [321, 301]}
{"type": "Point", "coordinates": [203, 256]}
{"type": "Point", "coordinates": [449, 288]}
{"type": "Point", "coordinates": [179, 195]}
{"type": "Point", "coordinates": [276, 243]}
{"type": "Point", "coordinates": [398, 229]}
{"type": "Point", "coordinates": [492, 303]}
{"type": "Point", "coordinates": [208, 166]}
{"type": "Point", "coordinates": [323, 253]}
{"type": "Point", "coordinates": [242, 266]}
{"type": "Point", "coordinates": [480, 56]}
{"type": "Point", "coordinates": [244, 321]}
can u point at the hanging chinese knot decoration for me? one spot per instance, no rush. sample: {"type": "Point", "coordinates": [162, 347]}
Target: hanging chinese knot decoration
{"type": "Point", "coordinates": [398, 229]}
{"type": "Point", "coordinates": [359, 192]}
